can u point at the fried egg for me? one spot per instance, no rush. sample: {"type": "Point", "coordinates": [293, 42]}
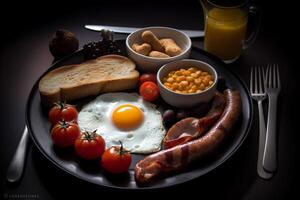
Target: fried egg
{"type": "Point", "coordinates": [124, 117]}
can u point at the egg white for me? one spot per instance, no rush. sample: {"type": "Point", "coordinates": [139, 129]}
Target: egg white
{"type": "Point", "coordinates": [147, 138]}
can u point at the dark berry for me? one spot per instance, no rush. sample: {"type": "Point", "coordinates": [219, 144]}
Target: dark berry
{"type": "Point", "coordinates": [169, 117]}
{"type": "Point", "coordinates": [100, 48]}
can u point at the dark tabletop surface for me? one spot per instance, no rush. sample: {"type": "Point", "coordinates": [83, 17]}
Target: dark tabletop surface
{"type": "Point", "coordinates": [24, 56]}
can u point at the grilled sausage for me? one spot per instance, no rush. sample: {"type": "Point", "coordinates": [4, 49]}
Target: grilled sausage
{"type": "Point", "coordinates": [176, 158]}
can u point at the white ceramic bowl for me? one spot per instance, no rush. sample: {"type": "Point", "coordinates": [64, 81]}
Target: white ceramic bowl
{"type": "Point", "coordinates": [186, 100]}
{"type": "Point", "coordinates": [150, 64]}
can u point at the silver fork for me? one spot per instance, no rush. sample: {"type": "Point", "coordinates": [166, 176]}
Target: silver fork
{"type": "Point", "coordinates": [17, 164]}
{"type": "Point", "coordinates": [273, 87]}
{"type": "Point", "coordinates": [258, 93]}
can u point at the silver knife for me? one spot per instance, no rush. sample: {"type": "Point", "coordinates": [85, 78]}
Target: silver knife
{"type": "Point", "coordinates": [118, 29]}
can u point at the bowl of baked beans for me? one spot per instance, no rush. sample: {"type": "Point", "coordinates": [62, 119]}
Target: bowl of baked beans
{"type": "Point", "coordinates": [186, 83]}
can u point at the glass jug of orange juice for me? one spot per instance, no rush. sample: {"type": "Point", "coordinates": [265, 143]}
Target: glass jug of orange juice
{"type": "Point", "coordinates": [226, 26]}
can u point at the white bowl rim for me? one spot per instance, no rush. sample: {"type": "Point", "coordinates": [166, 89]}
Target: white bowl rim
{"type": "Point", "coordinates": [189, 44]}
{"type": "Point", "coordinates": [188, 94]}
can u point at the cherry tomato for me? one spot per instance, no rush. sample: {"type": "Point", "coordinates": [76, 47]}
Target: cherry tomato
{"type": "Point", "coordinates": [149, 91]}
{"type": "Point", "coordinates": [65, 133]}
{"type": "Point", "coordinates": [116, 159]}
{"type": "Point", "coordinates": [62, 111]}
{"type": "Point", "coordinates": [147, 77]}
{"type": "Point", "coordinates": [89, 145]}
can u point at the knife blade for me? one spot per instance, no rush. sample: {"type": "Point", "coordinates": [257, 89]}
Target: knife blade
{"type": "Point", "coordinates": [119, 29]}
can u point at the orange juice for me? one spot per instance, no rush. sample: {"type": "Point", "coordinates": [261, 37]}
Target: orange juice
{"type": "Point", "coordinates": [225, 30]}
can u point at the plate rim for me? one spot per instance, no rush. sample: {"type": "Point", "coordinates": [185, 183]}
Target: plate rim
{"type": "Point", "coordinates": [208, 169]}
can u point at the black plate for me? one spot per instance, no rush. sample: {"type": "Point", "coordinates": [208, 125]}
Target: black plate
{"type": "Point", "coordinates": [39, 128]}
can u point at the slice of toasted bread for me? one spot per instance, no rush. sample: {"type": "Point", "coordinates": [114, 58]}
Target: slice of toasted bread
{"type": "Point", "coordinates": [104, 74]}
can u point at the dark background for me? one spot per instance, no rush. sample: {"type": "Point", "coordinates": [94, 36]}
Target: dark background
{"type": "Point", "coordinates": [24, 56]}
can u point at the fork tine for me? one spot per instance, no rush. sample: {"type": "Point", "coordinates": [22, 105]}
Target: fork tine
{"type": "Point", "coordinates": [264, 77]}
{"type": "Point", "coordinates": [256, 80]}
{"type": "Point", "coordinates": [251, 80]}
{"type": "Point", "coordinates": [278, 77]}
{"type": "Point", "coordinates": [259, 83]}
{"type": "Point", "coordinates": [268, 80]}
{"type": "Point", "coordinates": [274, 76]}
{"type": "Point", "coordinates": [261, 89]}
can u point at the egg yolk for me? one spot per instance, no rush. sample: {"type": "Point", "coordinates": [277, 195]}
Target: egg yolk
{"type": "Point", "coordinates": [127, 117]}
